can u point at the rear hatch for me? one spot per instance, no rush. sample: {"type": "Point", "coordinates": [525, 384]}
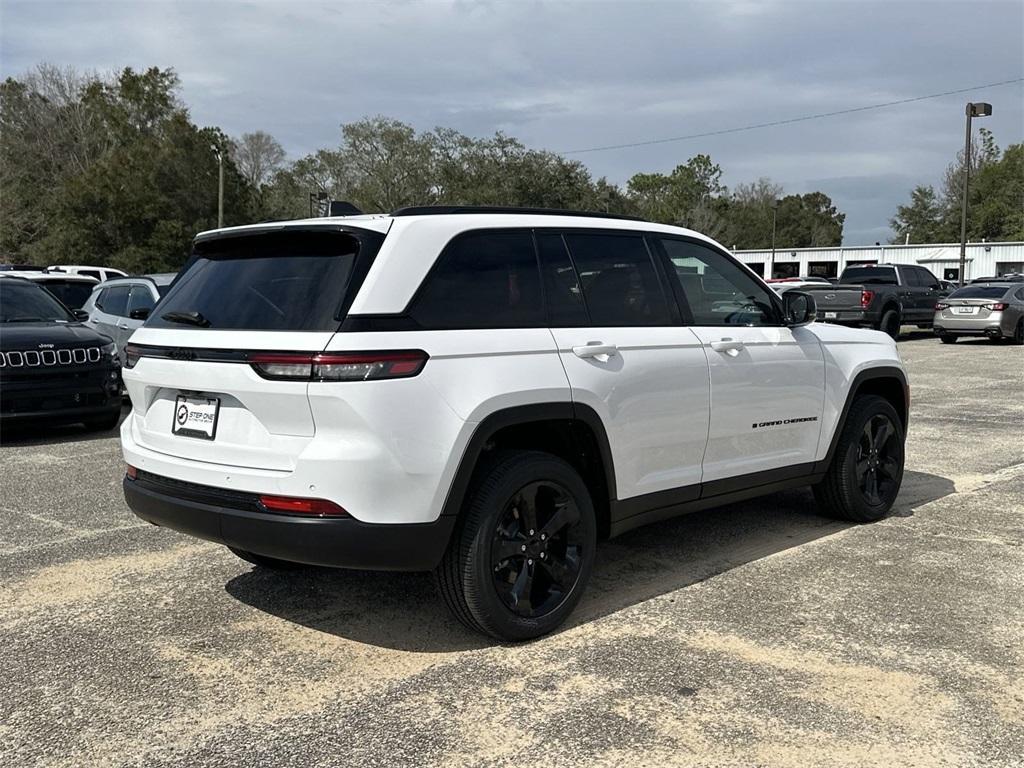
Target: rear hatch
{"type": "Point", "coordinates": [835, 297]}
{"type": "Point", "coordinates": [285, 290]}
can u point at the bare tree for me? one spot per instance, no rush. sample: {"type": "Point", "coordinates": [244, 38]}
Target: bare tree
{"type": "Point", "coordinates": [258, 157]}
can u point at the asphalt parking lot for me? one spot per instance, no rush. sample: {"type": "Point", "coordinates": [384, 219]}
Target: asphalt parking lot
{"type": "Point", "coordinates": [755, 634]}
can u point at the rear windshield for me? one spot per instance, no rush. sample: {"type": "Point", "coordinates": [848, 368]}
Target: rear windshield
{"type": "Point", "coordinates": [72, 292]}
{"type": "Point", "coordinates": [869, 275]}
{"type": "Point", "coordinates": [280, 281]}
{"type": "Point", "coordinates": [979, 292]}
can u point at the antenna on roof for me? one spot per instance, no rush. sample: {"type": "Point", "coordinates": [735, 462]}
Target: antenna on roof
{"type": "Point", "coordinates": [342, 208]}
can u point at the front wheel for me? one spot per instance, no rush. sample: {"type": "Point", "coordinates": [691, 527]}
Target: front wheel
{"type": "Point", "coordinates": [524, 549]}
{"type": "Point", "coordinates": [864, 477]}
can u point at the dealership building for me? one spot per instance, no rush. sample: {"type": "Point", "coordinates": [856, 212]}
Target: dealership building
{"type": "Point", "coordinates": [983, 259]}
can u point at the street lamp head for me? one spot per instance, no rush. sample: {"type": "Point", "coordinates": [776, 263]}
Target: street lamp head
{"type": "Point", "coordinates": [216, 149]}
{"type": "Point", "coordinates": [979, 109]}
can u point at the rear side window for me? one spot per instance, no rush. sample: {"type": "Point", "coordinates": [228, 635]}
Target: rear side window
{"type": "Point", "coordinates": [619, 280]}
{"type": "Point", "coordinates": [483, 279]}
{"type": "Point", "coordinates": [280, 281]}
{"type": "Point", "coordinates": [140, 298]}
{"type": "Point", "coordinates": [114, 300]}
{"type": "Point", "coordinates": [93, 273]}
{"type": "Point", "coordinates": [561, 283]}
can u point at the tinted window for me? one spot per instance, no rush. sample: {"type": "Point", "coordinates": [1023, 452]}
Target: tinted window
{"type": "Point", "coordinates": [979, 292]}
{"type": "Point", "coordinates": [114, 300]}
{"type": "Point", "coordinates": [717, 290]}
{"type": "Point", "coordinates": [483, 280]}
{"type": "Point", "coordinates": [869, 275]}
{"type": "Point", "coordinates": [912, 277]}
{"type": "Point", "coordinates": [561, 283]}
{"type": "Point", "coordinates": [1020, 294]}
{"type": "Point", "coordinates": [92, 273]}
{"type": "Point", "coordinates": [140, 298]}
{"type": "Point", "coordinates": [72, 293]}
{"type": "Point", "coordinates": [928, 280]}
{"type": "Point", "coordinates": [282, 281]}
{"type": "Point", "coordinates": [619, 280]}
{"type": "Point", "coordinates": [24, 302]}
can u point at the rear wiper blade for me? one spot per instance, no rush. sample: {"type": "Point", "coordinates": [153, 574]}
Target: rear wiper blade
{"type": "Point", "coordinates": [187, 318]}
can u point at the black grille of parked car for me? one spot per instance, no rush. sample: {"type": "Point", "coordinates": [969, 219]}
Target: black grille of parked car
{"type": "Point", "coordinates": [31, 358]}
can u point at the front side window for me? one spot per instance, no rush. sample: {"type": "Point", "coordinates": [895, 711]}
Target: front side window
{"type": "Point", "coordinates": [619, 280]}
{"type": "Point", "coordinates": [717, 290]}
{"type": "Point", "coordinates": [114, 300]}
{"type": "Point", "coordinates": [485, 279]}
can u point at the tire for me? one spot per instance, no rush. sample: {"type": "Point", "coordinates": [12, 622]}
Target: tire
{"type": "Point", "coordinates": [103, 423]}
{"type": "Point", "coordinates": [486, 578]}
{"type": "Point", "coordinates": [842, 493]}
{"type": "Point", "coordinates": [947, 338]}
{"type": "Point", "coordinates": [1018, 334]}
{"type": "Point", "coordinates": [890, 323]}
{"type": "Point", "coordinates": [262, 561]}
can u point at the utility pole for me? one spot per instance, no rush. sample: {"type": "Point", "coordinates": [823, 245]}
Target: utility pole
{"type": "Point", "coordinates": [220, 185]}
{"type": "Point", "coordinates": [977, 109]}
{"type": "Point", "coordinates": [771, 264]}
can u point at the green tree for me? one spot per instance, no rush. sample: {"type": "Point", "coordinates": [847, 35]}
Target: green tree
{"type": "Point", "coordinates": [809, 221]}
{"type": "Point", "coordinates": [684, 197]}
{"type": "Point", "coordinates": [921, 220]}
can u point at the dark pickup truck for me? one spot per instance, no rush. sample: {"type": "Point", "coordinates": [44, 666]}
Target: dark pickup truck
{"type": "Point", "coordinates": [880, 296]}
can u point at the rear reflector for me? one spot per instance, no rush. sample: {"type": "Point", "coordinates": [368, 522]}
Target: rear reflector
{"type": "Point", "coordinates": [338, 366]}
{"type": "Point", "coordinates": [131, 471]}
{"type": "Point", "coordinates": [300, 506]}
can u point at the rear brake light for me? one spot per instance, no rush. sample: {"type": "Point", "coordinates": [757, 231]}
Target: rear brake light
{"type": "Point", "coordinates": [338, 366]}
{"type": "Point", "coordinates": [301, 506]}
{"type": "Point", "coordinates": [131, 355]}
{"type": "Point", "coordinates": [865, 298]}
{"type": "Point", "coordinates": [999, 306]}
{"type": "Point", "coordinates": [941, 306]}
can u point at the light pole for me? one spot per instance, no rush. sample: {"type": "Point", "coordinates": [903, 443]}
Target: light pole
{"type": "Point", "coordinates": [771, 264]}
{"type": "Point", "coordinates": [220, 185]}
{"type": "Point", "coordinates": [976, 109]}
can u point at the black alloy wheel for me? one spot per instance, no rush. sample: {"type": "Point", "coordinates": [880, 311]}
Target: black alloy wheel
{"type": "Point", "coordinates": [537, 549]}
{"type": "Point", "coordinates": [878, 469]}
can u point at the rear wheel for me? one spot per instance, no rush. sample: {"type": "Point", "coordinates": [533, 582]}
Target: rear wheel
{"type": "Point", "coordinates": [947, 338]}
{"type": "Point", "coordinates": [522, 554]}
{"type": "Point", "coordinates": [263, 561]}
{"type": "Point", "coordinates": [864, 477]}
{"type": "Point", "coordinates": [890, 323]}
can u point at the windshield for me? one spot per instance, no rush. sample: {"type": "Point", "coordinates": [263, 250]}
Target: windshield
{"type": "Point", "coordinates": [25, 302]}
{"type": "Point", "coordinates": [279, 281]}
{"type": "Point", "coordinates": [73, 293]}
{"type": "Point", "coordinates": [886, 275]}
{"type": "Point", "coordinates": [979, 292]}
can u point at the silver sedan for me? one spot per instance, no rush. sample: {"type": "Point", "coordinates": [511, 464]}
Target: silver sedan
{"type": "Point", "coordinates": [995, 310]}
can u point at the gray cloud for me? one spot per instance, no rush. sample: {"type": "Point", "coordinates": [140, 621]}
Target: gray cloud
{"type": "Point", "coordinates": [570, 75]}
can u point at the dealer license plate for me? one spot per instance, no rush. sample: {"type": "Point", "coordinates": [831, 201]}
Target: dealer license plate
{"type": "Point", "coordinates": [196, 416]}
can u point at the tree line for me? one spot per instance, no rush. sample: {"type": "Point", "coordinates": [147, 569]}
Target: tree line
{"type": "Point", "coordinates": [111, 170]}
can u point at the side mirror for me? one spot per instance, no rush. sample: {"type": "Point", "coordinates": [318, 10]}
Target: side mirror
{"type": "Point", "coordinates": [798, 308]}
{"type": "Point", "coordinates": [139, 314]}
{"type": "Point", "coordinates": [80, 314]}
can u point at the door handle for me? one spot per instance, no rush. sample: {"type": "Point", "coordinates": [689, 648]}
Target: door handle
{"type": "Point", "coordinates": [729, 346]}
{"type": "Point", "coordinates": [596, 350]}
{"type": "Point", "coordinates": [123, 327]}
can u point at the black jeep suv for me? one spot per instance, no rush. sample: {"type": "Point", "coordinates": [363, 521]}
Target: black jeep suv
{"type": "Point", "coordinates": [52, 367]}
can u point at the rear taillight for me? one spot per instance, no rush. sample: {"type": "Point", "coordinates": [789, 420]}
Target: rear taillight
{"type": "Point", "coordinates": [941, 306]}
{"type": "Point", "coordinates": [300, 506]}
{"type": "Point", "coordinates": [131, 356]}
{"type": "Point", "coordinates": [338, 366]}
{"type": "Point", "coordinates": [865, 298]}
{"type": "Point", "coordinates": [999, 306]}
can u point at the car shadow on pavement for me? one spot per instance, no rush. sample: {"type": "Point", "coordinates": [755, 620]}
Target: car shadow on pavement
{"type": "Point", "coordinates": [46, 434]}
{"type": "Point", "coordinates": [402, 611]}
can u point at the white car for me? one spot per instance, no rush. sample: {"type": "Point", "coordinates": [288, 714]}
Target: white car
{"type": "Point", "coordinates": [486, 393]}
{"type": "Point", "coordinates": [71, 290]}
{"type": "Point", "coordinates": [118, 307]}
{"type": "Point", "coordinates": [100, 273]}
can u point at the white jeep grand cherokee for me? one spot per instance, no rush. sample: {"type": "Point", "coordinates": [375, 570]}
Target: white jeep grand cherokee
{"type": "Point", "coordinates": [486, 393]}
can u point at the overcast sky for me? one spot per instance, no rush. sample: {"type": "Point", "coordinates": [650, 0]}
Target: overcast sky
{"type": "Point", "coordinates": [572, 75]}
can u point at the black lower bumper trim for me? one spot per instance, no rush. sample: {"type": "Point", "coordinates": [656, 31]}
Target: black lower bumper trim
{"type": "Point", "coordinates": [64, 415]}
{"type": "Point", "coordinates": [333, 542]}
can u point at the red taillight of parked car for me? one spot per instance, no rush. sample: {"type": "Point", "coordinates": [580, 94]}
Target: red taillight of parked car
{"type": "Point", "coordinates": [301, 506]}
{"type": "Point", "coordinates": [941, 306]}
{"type": "Point", "coordinates": [338, 366]}
{"type": "Point", "coordinates": [865, 298]}
{"type": "Point", "coordinates": [998, 306]}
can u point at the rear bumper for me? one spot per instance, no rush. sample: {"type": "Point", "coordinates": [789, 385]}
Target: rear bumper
{"type": "Point", "coordinates": [854, 317]}
{"type": "Point", "coordinates": [333, 542]}
{"type": "Point", "coordinates": [993, 325]}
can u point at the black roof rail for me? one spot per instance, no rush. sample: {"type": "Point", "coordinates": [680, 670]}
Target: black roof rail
{"type": "Point", "coordinates": [440, 210]}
